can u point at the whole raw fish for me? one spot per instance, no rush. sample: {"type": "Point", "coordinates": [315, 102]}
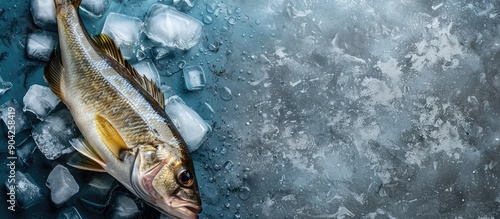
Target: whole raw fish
{"type": "Point", "coordinates": [121, 116]}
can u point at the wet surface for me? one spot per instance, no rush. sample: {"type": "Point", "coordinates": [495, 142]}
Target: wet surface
{"type": "Point", "coordinates": [318, 109]}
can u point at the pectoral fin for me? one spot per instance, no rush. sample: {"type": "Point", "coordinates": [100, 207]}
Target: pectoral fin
{"type": "Point", "coordinates": [110, 136]}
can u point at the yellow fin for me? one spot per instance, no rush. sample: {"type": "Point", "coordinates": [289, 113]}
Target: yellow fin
{"type": "Point", "coordinates": [53, 73]}
{"type": "Point", "coordinates": [84, 163]}
{"type": "Point", "coordinates": [108, 46]}
{"type": "Point", "coordinates": [110, 136]}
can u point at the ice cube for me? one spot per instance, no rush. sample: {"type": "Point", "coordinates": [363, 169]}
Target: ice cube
{"type": "Point", "coordinates": [69, 213]}
{"type": "Point", "coordinates": [40, 45]}
{"type": "Point", "coordinates": [184, 5]}
{"type": "Point", "coordinates": [191, 126]}
{"type": "Point", "coordinates": [44, 14]}
{"type": "Point", "coordinates": [25, 151]}
{"type": "Point", "coordinates": [4, 86]}
{"type": "Point", "coordinates": [40, 100]}
{"type": "Point", "coordinates": [27, 192]}
{"type": "Point", "coordinates": [62, 185]}
{"type": "Point", "coordinates": [95, 8]}
{"type": "Point", "coordinates": [159, 52]}
{"type": "Point", "coordinates": [167, 26]}
{"type": "Point", "coordinates": [52, 135]}
{"type": "Point", "coordinates": [96, 195]}
{"type": "Point", "coordinates": [12, 115]}
{"type": "Point", "coordinates": [125, 31]}
{"type": "Point", "coordinates": [124, 207]}
{"type": "Point", "coordinates": [167, 91]}
{"type": "Point", "coordinates": [194, 77]}
{"type": "Point", "coordinates": [148, 68]}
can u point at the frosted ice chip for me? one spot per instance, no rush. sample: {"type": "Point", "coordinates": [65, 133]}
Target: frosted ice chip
{"type": "Point", "coordinates": [69, 213]}
{"type": "Point", "coordinates": [52, 135]}
{"type": "Point", "coordinates": [194, 77]}
{"type": "Point", "coordinates": [191, 126]}
{"type": "Point", "coordinates": [124, 207]}
{"type": "Point", "coordinates": [169, 27]}
{"type": "Point", "coordinates": [27, 193]}
{"type": "Point", "coordinates": [125, 31]}
{"type": "Point", "coordinates": [159, 52]}
{"type": "Point", "coordinates": [44, 14]}
{"type": "Point", "coordinates": [12, 115]}
{"type": "Point", "coordinates": [62, 185]}
{"type": "Point", "coordinates": [40, 45]}
{"type": "Point", "coordinates": [40, 100]}
{"type": "Point", "coordinates": [148, 69]}
{"type": "Point", "coordinates": [94, 8]}
{"type": "Point", "coordinates": [4, 86]}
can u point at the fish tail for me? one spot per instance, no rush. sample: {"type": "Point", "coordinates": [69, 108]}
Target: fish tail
{"type": "Point", "coordinates": [61, 3]}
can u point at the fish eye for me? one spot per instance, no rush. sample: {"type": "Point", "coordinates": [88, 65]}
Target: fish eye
{"type": "Point", "coordinates": [185, 177]}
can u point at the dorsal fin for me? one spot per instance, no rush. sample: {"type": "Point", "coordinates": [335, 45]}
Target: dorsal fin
{"type": "Point", "coordinates": [108, 46]}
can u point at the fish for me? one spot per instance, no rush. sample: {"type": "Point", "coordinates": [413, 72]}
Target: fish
{"type": "Point", "coordinates": [121, 115]}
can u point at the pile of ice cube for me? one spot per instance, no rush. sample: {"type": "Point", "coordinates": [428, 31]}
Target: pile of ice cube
{"type": "Point", "coordinates": [163, 29]}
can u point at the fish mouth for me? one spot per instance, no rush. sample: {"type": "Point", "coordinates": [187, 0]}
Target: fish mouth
{"type": "Point", "coordinates": [185, 207]}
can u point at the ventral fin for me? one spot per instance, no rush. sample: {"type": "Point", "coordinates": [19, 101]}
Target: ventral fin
{"type": "Point", "coordinates": [110, 136]}
{"type": "Point", "coordinates": [84, 163]}
{"type": "Point", "coordinates": [108, 46]}
{"type": "Point", "coordinates": [53, 74]}
{"type": "Point", "coordinates": [85, 149]}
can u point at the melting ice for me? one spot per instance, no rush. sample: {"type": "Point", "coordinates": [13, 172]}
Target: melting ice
{"type": "Point", "coordinates": [40, 44]}
{"type": "Point", "coordinates": [95, 8]}
{"type": "Point", "coordinates": [61, 184]}
{"type": "Point", "coordinates": [169, 27]}
{"type": "Point", "coordinates": [40, 100]}
{"type": "Point", "coordinates": [125, 31]}
{"type": "Point", "coordinates": [53, 134]}
{"type": "Point", "coordinates": [191, 126]}
{"type": "Point", "coordinates": [44, 14]}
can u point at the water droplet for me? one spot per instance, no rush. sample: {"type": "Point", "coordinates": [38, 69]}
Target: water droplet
{"type": "Point", "coordinates": [257, 21]}
{"type": "Point", "coordinates": [226, 94]}
{"type": "Point", "coordinates": [206, 111]}
{"type": "Point", "coordinates": [211, 8]}
{"type": "Point", "coordinates": [231, 20]}
{"type": "Point", "coordinates": [181, 64]}
{"type": "Point", "coordinates": [237, 10]}
{"type": "Point", "coordinates": [217, 167]}
{"type": "Point", "coordinates": [228, 165]}
{"type": "Point", "coordinates": [212, 47]}
{"type": "Point", "coordinates": [223, 150]}
{"type": "Point", "coordinates": [244, 193]}
{"type": "Point", "coordinates": [207, 19]}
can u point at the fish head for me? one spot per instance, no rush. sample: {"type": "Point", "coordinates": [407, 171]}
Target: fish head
{"type": "Point", "coordinates": [165, 178]}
